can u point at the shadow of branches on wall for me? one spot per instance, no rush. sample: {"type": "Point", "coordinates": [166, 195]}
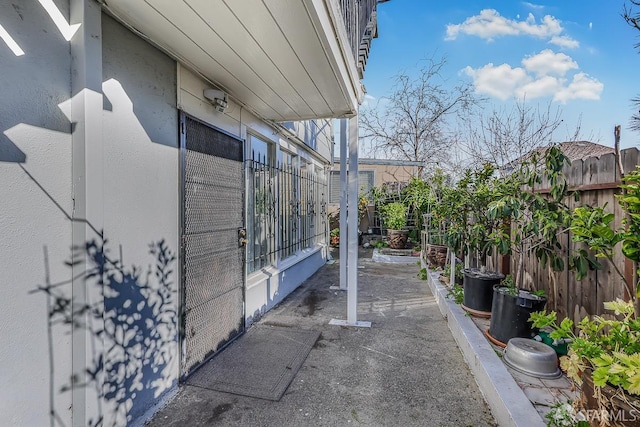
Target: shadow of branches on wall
{"type": "Point", "coordinates": [132, 328]}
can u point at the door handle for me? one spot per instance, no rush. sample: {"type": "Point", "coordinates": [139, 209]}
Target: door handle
{"type": "Point", "coordinates": [242, 237]}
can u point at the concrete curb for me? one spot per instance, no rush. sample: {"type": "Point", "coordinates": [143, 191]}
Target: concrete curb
{"type": "Point", "coordinates": [508, 403]}
{"type": "Point", "coordinates": [394, 259]}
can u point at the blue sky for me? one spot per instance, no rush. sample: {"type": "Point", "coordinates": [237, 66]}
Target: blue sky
{"type": "Point", "coordinates": [578, 55]}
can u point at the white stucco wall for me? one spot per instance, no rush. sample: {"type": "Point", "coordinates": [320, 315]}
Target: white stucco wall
{"type": "Point", "coordinates": [35, 205]}
{"type": "Point", "coordinates": [141, 202]}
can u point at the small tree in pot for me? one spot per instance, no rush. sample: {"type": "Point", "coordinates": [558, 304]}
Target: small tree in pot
{"type": "Point", "coordinates": [537, 221]}
{"type": "Point", "coordinates": [394, 217]}
{"type": "Point", "coordinates": [471, 232]}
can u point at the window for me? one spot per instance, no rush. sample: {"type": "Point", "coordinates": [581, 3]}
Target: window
{"type": "Point", "coordinates": [286, 205]}
{"type": "Point", "coordinates": [365, 181]}
{"type": "Point", "coordinates": [289, 204]}
{"type": "Point", "coordinates": [261, 224]}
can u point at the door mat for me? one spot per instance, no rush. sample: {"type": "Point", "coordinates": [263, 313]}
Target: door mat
{"type": "Point", "coordinates": [261, 363]}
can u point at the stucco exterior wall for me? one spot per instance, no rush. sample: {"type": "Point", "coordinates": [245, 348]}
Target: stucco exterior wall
{"type": "Point", "coordinates": [35, 210]}
{"type": "Point", "coordinates": [141, 211]}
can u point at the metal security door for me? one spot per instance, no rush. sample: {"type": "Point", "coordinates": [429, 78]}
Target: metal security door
{"type": "Point", "coordinates": [212, 241]}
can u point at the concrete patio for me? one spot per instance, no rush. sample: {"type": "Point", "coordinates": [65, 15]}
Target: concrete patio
{"type": "Point", "coordinates": [405, 370]}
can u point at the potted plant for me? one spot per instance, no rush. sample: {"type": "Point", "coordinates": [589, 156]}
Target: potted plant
{"type": "Point", "coordinates": [603, 359]}
{"type": "Point", "coordinates": [510, 311]}
{"type": "Point", "coordinates": [470, 232]}
{"type": "Point", "coordinates": [435, 219]}
{"type": "Point", "coordinates": [446, 273]}
{"type": "Point", "coordinates": [334, 237]}
{"type": "Point", "coordinates": [536, 223]}
{"type": "Point", "coordinates": [394, 216]}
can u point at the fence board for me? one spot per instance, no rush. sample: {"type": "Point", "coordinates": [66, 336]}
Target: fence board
{"type": "Point", "coordinates": [630, 159]}
{"type": "Point", "coordinates": [598, 180]}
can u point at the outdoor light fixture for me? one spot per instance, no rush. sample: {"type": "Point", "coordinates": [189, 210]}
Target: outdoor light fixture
{"type": "Point", "coordinates": [218, 98]}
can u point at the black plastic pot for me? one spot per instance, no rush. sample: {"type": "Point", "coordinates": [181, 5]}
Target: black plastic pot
{"type": "Point", "coordinates": [478, 290]}
{"type": "Point", "coordinates": [510, 314]}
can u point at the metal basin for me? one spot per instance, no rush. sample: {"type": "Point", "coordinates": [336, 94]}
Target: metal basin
{"type": "Point", "coordinates": [532, 358]}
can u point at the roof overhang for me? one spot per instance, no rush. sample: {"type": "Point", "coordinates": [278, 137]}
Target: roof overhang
{"type": "Point", "coordinates": [284, 60]}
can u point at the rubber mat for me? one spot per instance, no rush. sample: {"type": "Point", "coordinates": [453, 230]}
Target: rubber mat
{"type": "Point", "coordinates": [261, 363]}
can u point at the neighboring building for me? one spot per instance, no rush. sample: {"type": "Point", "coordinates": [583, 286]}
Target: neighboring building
{"type": "Point", "coordinates": [574, 150]}
{"type": "Point", "coordinates": [164, 183]}
{"type": "Point", "coordinates": [393, 174]}
{"type": "Point", "coordinates": [581, 150]}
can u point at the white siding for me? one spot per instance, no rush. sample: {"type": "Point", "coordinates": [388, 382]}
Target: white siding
{"type": "Point", "coordinates": [35, 194]}
{"type": "Point", "coordinates": [141, 197]}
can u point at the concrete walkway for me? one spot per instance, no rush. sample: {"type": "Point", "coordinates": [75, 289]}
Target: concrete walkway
{"type": "Point", "coordinates": [406, 370]}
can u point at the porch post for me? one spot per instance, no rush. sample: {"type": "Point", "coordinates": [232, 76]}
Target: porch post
{"type": "Point", "coordinates": [344, 238]}
{"type": "Point", "coordinates": [352, 229]}
{"type": "Point", "coordinates": [352, 224]}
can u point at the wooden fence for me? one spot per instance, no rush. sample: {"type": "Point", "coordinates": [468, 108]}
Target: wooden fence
{"type": "Point", "coordinates": [596, 180]}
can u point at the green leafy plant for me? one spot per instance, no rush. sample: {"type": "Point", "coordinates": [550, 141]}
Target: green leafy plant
{"type": "Point", "coordinates": [417, 196]}
{"type": "Point", "coordinates": [594, 227]}
{"type": "Point", "coordinates": [591, 225]}
{"type": "Point", "coordinates": [465, 208]}
{"type": "Point", "coordinates": [394, 215]}
{"type": "Point", "coordinates": [422, 274]}
{"type": "Point", "coordinates": [456, 292]}
{"type": "Point", "coordinates": [334, 236]}
{"type": "Point", "coordinates": [537, 220]}
{"type": "Point", "coordinates": [539, 293]}
{"type": "Point", "coordinates": [379, 244]}
{"type": "Point", "coordinates": [510, 285]}
{"type": "Point", "coordinates": [630, 202]}
{"type": "Point", "coordinates": [609, 347]}
{"type": "Point", "coordinates": [459, 268]}
{"type": "Point", "coordinates": [563, 414]}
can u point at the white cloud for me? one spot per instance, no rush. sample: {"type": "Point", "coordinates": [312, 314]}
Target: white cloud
{"type": "Point", "coordinates": [539, 88]}
{"type": "Point", "coordinates": [541, 75]}
{"type": "Point", "coordinates": [368, 99]}
{"type": "Point", "coordinates": [565, 41]}
{"type": "Point", "coordinates": [549, 62]}
{"type": "Point", "coordinates": [590, 25]}
{"type": "Point", "coordinates": [489, 24]}
{"type": "Point", "coordinates": [500, 81]}
{"type": "Point", "coordinates": [533, 6]}
{"type": "Point", "coordinates": [581, 87]}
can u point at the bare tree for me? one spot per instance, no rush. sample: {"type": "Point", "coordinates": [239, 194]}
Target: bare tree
{"type": "Point", "coordinates": [508, 134]}
{"type": "Point", "coordinates": [411, 123]}
{"type": "Point", "coordinates": [633, 19]}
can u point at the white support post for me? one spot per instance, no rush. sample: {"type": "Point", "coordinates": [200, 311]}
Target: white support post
{"type": "Point", "coordinates": [344, 238]}
{"type": "Point", "coordinates": [452, 262]}
{"type": "Point", "coordinates": [352, 224]}
{"type": "Point", "coordinates": [352, 230]}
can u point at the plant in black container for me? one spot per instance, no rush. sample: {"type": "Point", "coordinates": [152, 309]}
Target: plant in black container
{"type": "Point", "coordinates": [511, 310]}
{"type": "Point", "coordinates": [537, 220]}
{"type": "Point", "coordinates": [471, 231]}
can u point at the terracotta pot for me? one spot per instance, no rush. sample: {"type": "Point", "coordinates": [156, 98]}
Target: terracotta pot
{"type": "Point", "coordinates": [397, 239]}
{"type": "Point", "coordinates": [622, 409]}
{"type": "Point", "coordinates": [437, 255]}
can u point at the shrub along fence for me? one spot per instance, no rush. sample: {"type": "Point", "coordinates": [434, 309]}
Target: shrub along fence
{"type": "Point", "coordinates": [594, 181]}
